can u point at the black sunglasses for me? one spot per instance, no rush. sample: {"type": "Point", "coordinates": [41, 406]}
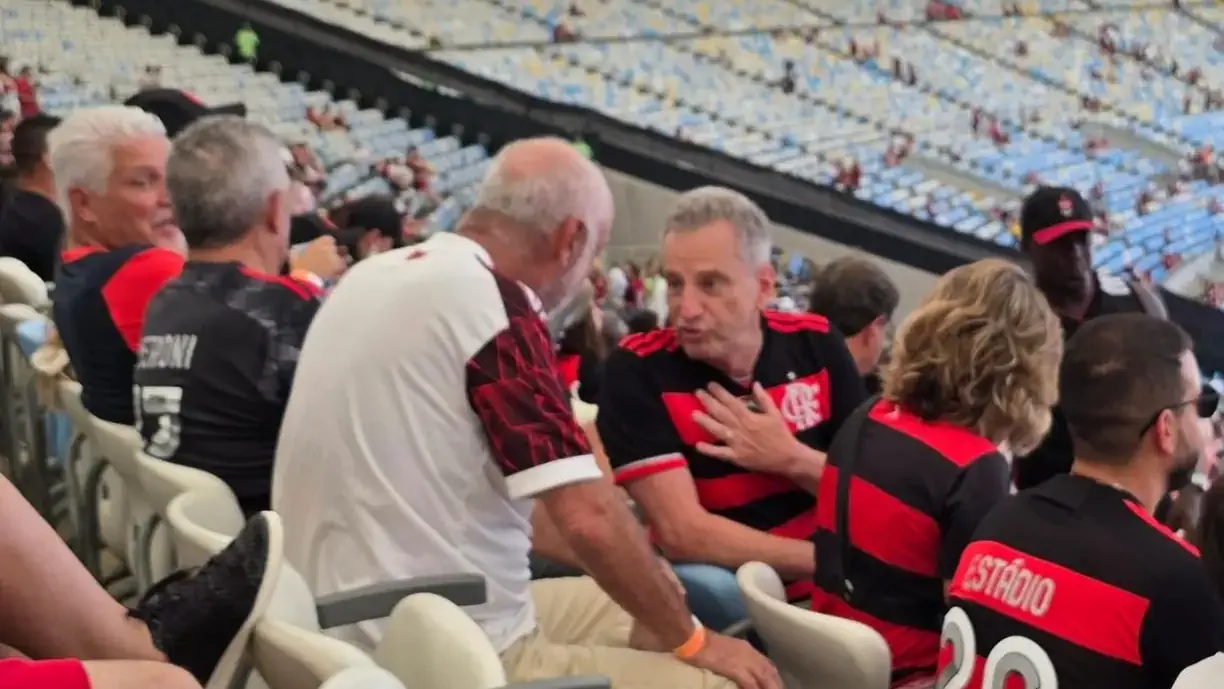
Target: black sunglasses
{"type": "Point", "coordinates": [1205, 405]}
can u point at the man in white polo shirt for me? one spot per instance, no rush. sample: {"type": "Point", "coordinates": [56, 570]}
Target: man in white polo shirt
{"type": "Point", "coordinates": [427, 413]}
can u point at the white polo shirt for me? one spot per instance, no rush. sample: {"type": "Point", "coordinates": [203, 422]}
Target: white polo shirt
{"type": "Point", "coordinates": [426, 410]}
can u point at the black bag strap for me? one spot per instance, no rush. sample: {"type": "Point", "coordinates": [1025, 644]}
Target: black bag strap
{"type": "Point", "coordinates": [845, 447]}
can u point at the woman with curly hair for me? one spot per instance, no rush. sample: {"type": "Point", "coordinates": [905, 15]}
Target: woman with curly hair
{"type": "Point", "coordinates": [972, 377]}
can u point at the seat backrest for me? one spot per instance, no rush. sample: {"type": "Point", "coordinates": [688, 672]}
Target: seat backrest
{"type": "Point", "coordinates": [19, 284]}
{"type": "Point", "coordinates": [202, 524]}
{"type": "Point", "coordinates": [430, 643]}
{"type": "Point", "coordinates": [289, 657]}
{"type": "Point", "coordinates": [70, 398]}
{"type": "Point", "coordinates": [119, 444]}
{"type": "Point", "coordinates": [293, 602]}
{"type": "Point", "coordinates": [809, 648]}
{"type": "Point", "coordinates": [362, 678]}
{"type": "Point", "coordinates": [164, 481]}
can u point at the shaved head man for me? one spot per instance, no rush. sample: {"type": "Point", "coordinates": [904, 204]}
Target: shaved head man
{"type": "Point", "coordinates": [429, 416]}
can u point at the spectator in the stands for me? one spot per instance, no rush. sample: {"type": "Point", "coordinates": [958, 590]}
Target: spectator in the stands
{"type": "Point", "coordinates": [220, 342]}
{"type": "Point", "coordinates": [1056, 225]}
{"type": "Point", "coordinates": [434, 418]}
{"type": "Point", "coordinates": [973, 374]}
{"type": "Point", "coordinates": [31, 224]}
{"type": "Point", "coordinates": [369, 226]}
{"type": "Point", "coordinates": [788, 77]}
{"type": "Point", "coordinates": [859, 299]}
{"type": "Point", "coordinates": [8, 123]}
{"type": "Point", "coordinates": [27, 92]}
{"type": "Point", "coordinates": [422, 171]}
{"type": "Point", "coordinates": [719, 484]}
{"type": "Point", "coordinates": [642, 321]}
{"type": "Point", "coordinates": [246, 40]}
{"type": "Point", "coordinates": [109, 168]}
{"type": "Point", "coordinates": [581, 354]}
{"type": "Point", "coordinates": [1209, 537]}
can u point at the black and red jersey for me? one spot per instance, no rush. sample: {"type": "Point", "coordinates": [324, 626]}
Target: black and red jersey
{"type": "Point", "coordinates": [917, 492]}
{"type": "Point", "coordinates": [99, 308]}
{"type": "Point", "coordinates": [1074, 580]}
{"type": "Point", "coordinates": [217, 359]}
{"type": "Point", "coordinates": [649, 396]}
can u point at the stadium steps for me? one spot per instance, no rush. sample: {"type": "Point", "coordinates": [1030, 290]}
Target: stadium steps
{"type": "Point", "coordinates": [956, 176]}
{"type": "Point", "coordinates": [1120, 137]}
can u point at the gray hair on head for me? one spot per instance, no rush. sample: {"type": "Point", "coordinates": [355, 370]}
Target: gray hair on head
{"type": "Point", "coordinates": [542, 197]}
{"type": "Point", "coordinates": [81, 149]}
{"type": "Point", "coordinates": [221, 173]}
{"type": "Point", "coordinates": [704, 206]}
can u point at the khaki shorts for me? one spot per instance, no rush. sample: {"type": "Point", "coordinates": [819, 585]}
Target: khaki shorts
{"type": "Point", "coordinates": [580, 631]}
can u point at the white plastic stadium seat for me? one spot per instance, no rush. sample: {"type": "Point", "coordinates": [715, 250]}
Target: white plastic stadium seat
{"type": "Point", "coordinates": [811, 649]}
{"type": "Point", "coordinates": [290, 657]}
{"type": "Point", "coordinates": [360, 678]}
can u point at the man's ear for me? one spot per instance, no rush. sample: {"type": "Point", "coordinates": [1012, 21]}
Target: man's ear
{"type": "Point", "coordinates": [78, 200]}
{"type": "Point", "coordinates": [568, 240]}
{"type": "Point", "coordinates": [767, 281]}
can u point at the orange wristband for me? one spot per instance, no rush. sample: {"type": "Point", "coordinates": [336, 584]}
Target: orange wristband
{"type": "Point", "coordinates": [695, 643]}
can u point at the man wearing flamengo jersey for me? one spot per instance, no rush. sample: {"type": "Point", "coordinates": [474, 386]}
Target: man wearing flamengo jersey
{"type": "Point", "coordinates": [1074, 584]}
{"type": "Point", "coordinates": [717, 427]}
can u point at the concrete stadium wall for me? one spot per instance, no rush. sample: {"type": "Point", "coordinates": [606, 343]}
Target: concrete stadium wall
{"type": "Point", "coordinates": [641, 208]}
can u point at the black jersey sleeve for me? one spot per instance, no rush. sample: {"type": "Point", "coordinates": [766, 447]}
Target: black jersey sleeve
{"type": "Point", "coordinates": [1184, 624]}
{"type": "Point", "coordinates": [847, 391]}
{"type": "Point", "coordinates": [285, 346]}
{"type": "Point", "coordinates": [633, 424]}
{"type": "Point", "coordinates": [979, 487]}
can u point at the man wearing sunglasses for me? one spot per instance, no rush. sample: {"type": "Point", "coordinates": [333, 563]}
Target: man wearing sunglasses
{"type": "Point", "coordinates": [1074, 583]}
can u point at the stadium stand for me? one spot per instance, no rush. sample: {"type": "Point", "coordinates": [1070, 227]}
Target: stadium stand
{"type": "Point", "coordinates": [949, 113]}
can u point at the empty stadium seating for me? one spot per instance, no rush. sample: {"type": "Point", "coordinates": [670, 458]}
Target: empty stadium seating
{"type": "Point", "coordinates": [719, 91]}
{"type": "Point", "coordinates": [90, 60]}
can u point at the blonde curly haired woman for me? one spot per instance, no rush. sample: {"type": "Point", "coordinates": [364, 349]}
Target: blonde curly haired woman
{"type": "Point", "coordinates": [972, 377]}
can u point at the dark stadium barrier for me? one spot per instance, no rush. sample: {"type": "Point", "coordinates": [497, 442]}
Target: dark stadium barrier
{"type": "Point", "coordinates": [401, 78]}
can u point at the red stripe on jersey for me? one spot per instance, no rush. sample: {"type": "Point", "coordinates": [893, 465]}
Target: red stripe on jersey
{"type": "Point", "coordinates": [645, 344]}
{"type": "Point", "coordinates": [801, 527]}
{"type": "Point", "coordinates": [782, 322]}
{"type": "Point", "coordinates": [810, 409]}
{"type": "Point", "coordinates": [956, 444]}
{"type": "Point", "coordinates": [567, 366]}
{"type": "Point", "coordinates": [884, 527]}
{"type": "Point", "coordinates": [911, 648]}
{"type": "Point", "coordinates": [1073, 607]}
{"type": "Point", "coordinates": [1012, 681]}
{"type": "Point", "coordinates": [736, 490]}
{"type": "Point", "coordinates": [299, 288]}
{"type": "Point", "coordinates": [641, 469]}
{"type": "Point", "coordinates": [1151, 521]}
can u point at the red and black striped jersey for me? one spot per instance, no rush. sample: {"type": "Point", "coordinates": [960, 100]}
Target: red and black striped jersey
{"type": "Point", "coordinates": [918, 491]}
{"type": "Point", "coordinates": [649, 396]}
{"type": "Point", "coordinates": [1073, 584]}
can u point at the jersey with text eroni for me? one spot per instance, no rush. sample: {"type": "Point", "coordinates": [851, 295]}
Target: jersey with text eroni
{"type": "Point", "coordinates": [1075, 580]}
{"type": "Point", "coordinates": [646, 417]}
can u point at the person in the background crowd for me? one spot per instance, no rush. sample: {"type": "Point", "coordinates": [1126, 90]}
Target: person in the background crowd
{"type": "Point", "coordinates": [8, 123]}
{"type": "Point", "coordinates": [31, 224]}
{"type": "Point", "coordinates": [656, 290]}
{"type": "Point", "coordinates": [1209, 536]}
{"type": "Point", "coordinates": [27, 92]}
{"type": "Point", "coordinates": [109, 168]}
{"type": "Point", "coordinates": [581, 354]}
{"type": "Point", "coordinates": [8, 88]}
{"type": "Point", "coordinates": [581, 145]}
{"type": "Point", "coordinates": [717, 427]}
{"type": "Point", "coordinates": [246, 40]}
{"type": "Point", "coordinates": [643, 321]}
{"type": "Point", "coordinates": [434, 429]}
{"type": "Point", "coordinates": [422, 171]}
{"type": "Point", "coordinates": [973, 370]}
{"type": "Point", "coordinates": [1056, 226]}
{"type": "Point", "coordinates": [370, 225]}
{"type": "Point", "coordinates": [635, 292]}
{"type": "Point", "coordinates": [787, 83]}
{"type": "Point", "coordinates": [151, 79]}
{"type": "Point", "coordinates": [618, 286]}
{"type": "Point", "coordinates": [220, 342]}
{"type": "Point", "coordinates": [859, 299]}
{"type": "Point", "coordinates": [1129, 387]}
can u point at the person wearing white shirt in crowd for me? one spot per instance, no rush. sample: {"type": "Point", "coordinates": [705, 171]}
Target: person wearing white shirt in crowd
{"type": "Point", "coordinates": [430, 416]}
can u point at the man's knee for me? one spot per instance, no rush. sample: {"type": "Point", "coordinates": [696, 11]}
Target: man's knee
{"type": "Point", "coordinates": [137, 674]}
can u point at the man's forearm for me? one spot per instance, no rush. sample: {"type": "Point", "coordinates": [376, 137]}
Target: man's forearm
{"type": "Point", "coordinates": [721, 541]}
{"type": "Point", "coordinates": [613, 547]}
{"type": "Point", "coordinates": [547, 541]}
{"type": "Point", "coordinates": [805, 466]}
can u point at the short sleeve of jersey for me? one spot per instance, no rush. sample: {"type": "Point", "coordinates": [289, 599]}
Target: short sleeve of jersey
{"type": "Point", "coordinates": [1183, 626]}
{"type": "Point", "coordinates": [980, 486]}
{"type": "Point", "coordinates": [292, 323]}
{"type": "Point", "coordinates": [633, 424]}
{"type": "Point", "coordinates": [131, 288]}
{"type": "Point", "coordinates": [514, 387]}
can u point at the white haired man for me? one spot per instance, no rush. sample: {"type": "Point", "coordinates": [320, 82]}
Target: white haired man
{"type": "Point", "coordinates": [435, 413]}
{"type": "Point", "coordinates": [717, 426]}
{"type": "Point", "coordinates": [220, 341]}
